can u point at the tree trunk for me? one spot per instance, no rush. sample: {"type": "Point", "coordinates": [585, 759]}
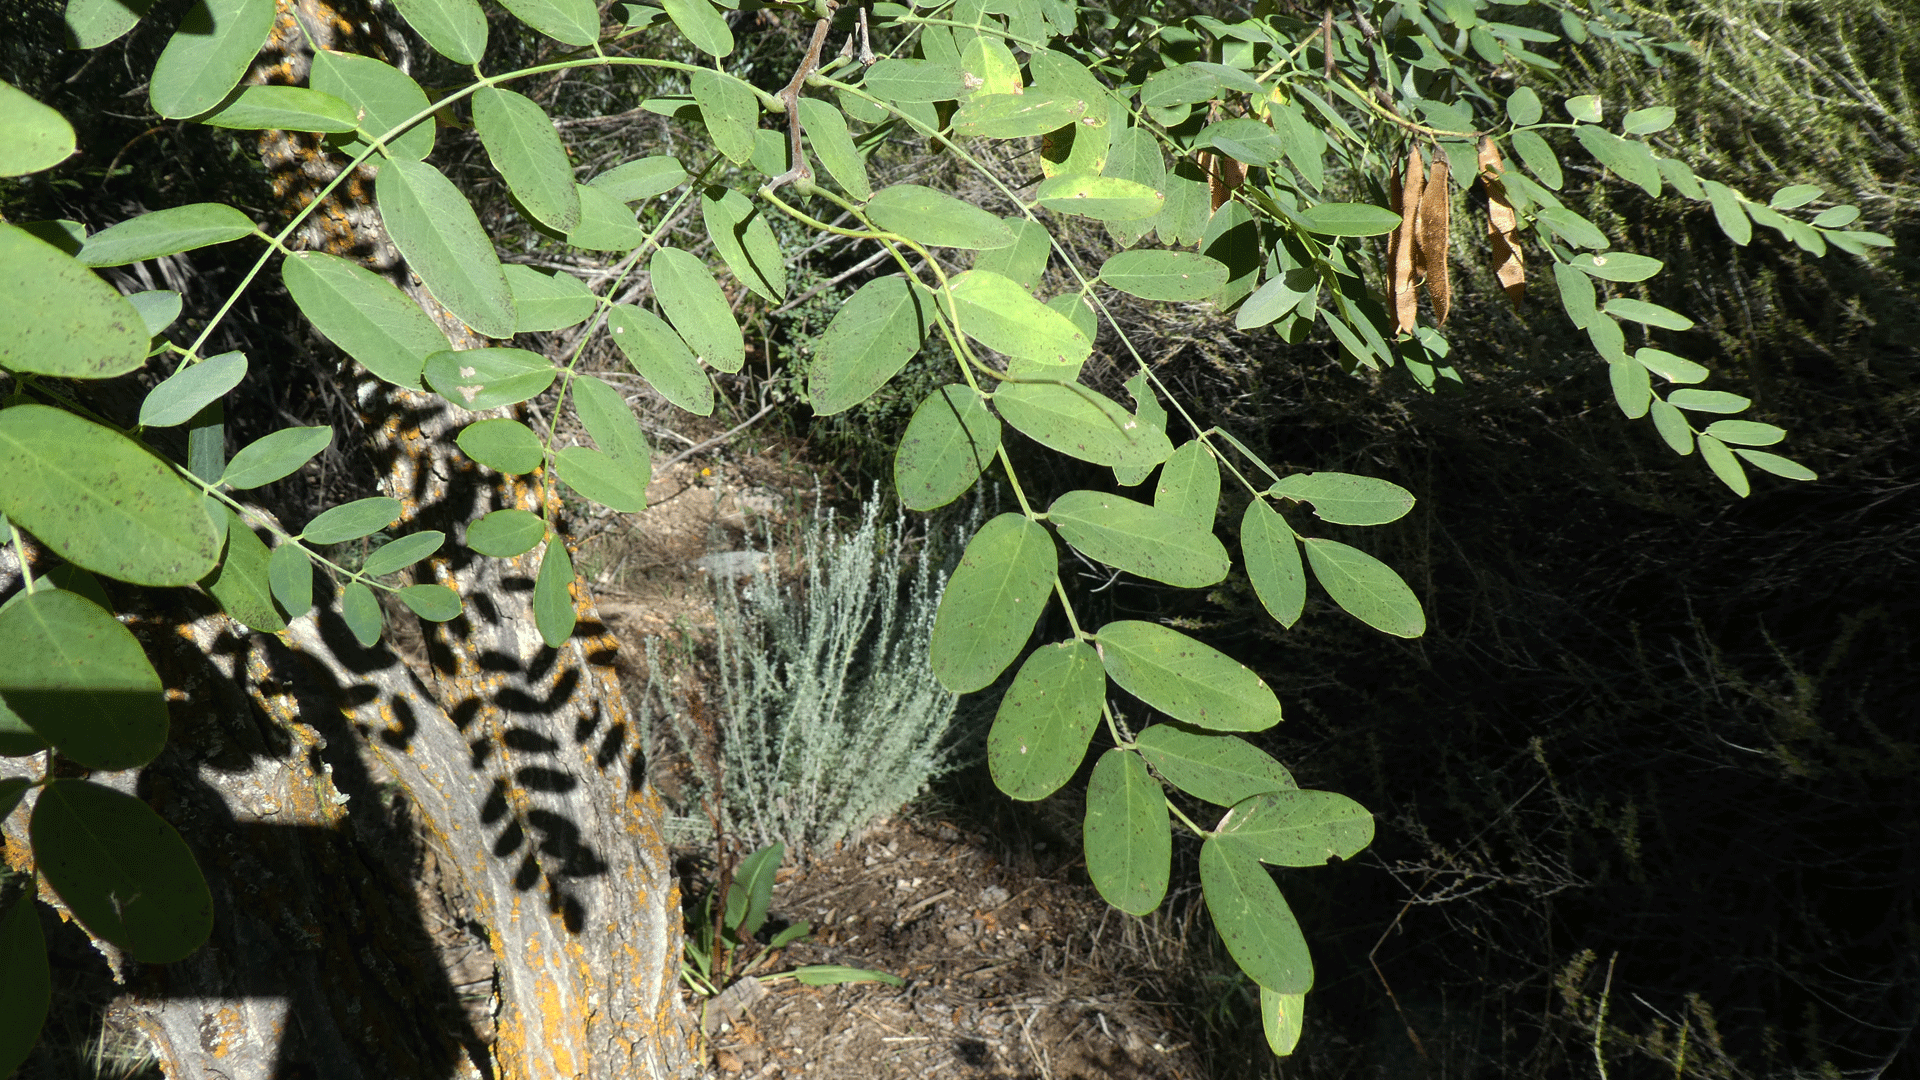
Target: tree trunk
{"type": "Point", "coordinates": [331, 792]}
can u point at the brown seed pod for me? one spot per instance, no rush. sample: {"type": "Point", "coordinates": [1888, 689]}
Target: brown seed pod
{"type": "Point", "coordinates": [1502, 226]}
{"type": "Point", "coordinates": [1435, 233]}
{"type": "Point", "coordinates": [1406, 304]}
{"type": "Point", "coordinates": [1224, 176]}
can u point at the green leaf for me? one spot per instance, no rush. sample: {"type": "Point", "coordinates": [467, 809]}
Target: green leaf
{"type": "Point", "coordinates": [1024, 261]}
{"type": "Point", "coordinates": [1681, 177]}
{"type": "Point", "coordinates": [1127, 837]}
{"type": "Point", "coordinates": [1631, 159]}
{"type": "Point", "coordinates": [1046, 720]}
{"type": "Point", "coordinates": [382, 96]}
{"type": "Point", "coordinates": [992, 602]}
{"type": "Point", "coordinates": [1858, 242]}
{"type": "Point", "coordinates": [1795, 196]}
{"type": "Point", "coordinates": [701, 24]}
{"type": "Point", "coordinates": [284, 108]}
{"type": "Point", "coordinates": [642, 178]}
{"type": "Point", "coordinates": [1139, 539]}
{"type": "Point", "coordinates": [91, 24]}
{"type": "Point", "coordinates": [658, 354]}
{"type": "Point", "coordinates": [1186, 84]}
{"type": "Point", "coordinates": [1572, 228]}
{"type": "Point", "coordinates": [526, 152]}
{"type": "Point", "coordinates": [1712, 401]}
{"type": "Point", "coordinates": [1296, 828]}
{"type": "Point", "coordinates": [1272, 555]}
{"type": "Point", "coordinates": [482, 379]}
{"type": "Point", "coordinates": [936, 219]}
{"type": "Point", "coordinates": [1538, 157]}
{"type": "Point", "coordinates": [751, 891]}
{"type": "Point", "coordinates": [1631, 389]}
{"type": "Point", "coordinates": [873, 335]}
{"type": "Point", "coordinates": [434, 603]}
{"type": "Point", "coordinates": [1724, 465]}
{"type": "Point", "coordinates": [1349, 219]}
{"type": "Point", "coordinates": [1728, 211]}
{"type": "Point", "coordinates": [206, 56]}
{"type": "Point", "coordinates": [351, 521]}
{"type": "Point", "coordinates": [1016, 116]}
{"type": "Point", "coordinates": [402, 553]}
{"type": "Point", "coordinates": [1523, 107]}
{"type": "Point", "coordinates": [1670, 367]}
{"type": "Point", "coordinates": [1640, 311]}
{"type": "Point", "coordinates": [275, 456]}
{"type": "Point", "coordinates": [1618, 265]}
{"type": "Point", "coordinates": [1183, 220]}
{"type": "Point", "coordinates": [1366, 588]}
{"type": "Point", "coordinates": [158, 309]}
{"type": "Point", "coordinates": [616, 481]}
{"type": "Point", "coordinates": [1672, 425]}
{"type": "Point", "coordinates": [603, 411]}
{"type": "Point", "coordinates": [241, 583]}
{"type": "Point", "coordinates": [1585, 108]}
{"type": "Point", "coordinates": [1221, 769]}
{"type": "Point", "coordinates": [73, 674]}
{"type": "Point", "coordinates": [1082, 424]}
{"type": "Point", "coordinates": [553, 612]}
{"type": "Point", "coordinates": [191, 388]}
{"type": "Point", "coordinates": [545, 302]}
{"type": "Point", "coordinates": [1284, 1018]}
{"type": "Point", "coordinates": [743, 238]}
{"type": "Point", "coordinates": [33, 136]}
{"type": "Point", "coordinates": [1189, 486]}
{"type": "Point", "coordinates": [1103, 198]}
{"type": "Point", "coordinates": [361, 612]}
{"type": "Point", "coordinates": [1282, 293]}
{"type": "Point", "coordinates": [827, 133]}
{"type": "Point", "coordinates": [950, 440]}
{"type": "Point", "coordinates": [290, 575]}
{"type": "Point", "coordinates": [840, 974]}
{"type": "Point", "coordinates": [1745, 432]}
{"type": "Point", "coordinates": [606, 223]}
{"type": "Point", "coordinates": [26, 986]}
{"type": "Point", "coordinates": [1246, 140]}
{"type": "Point", "coordinates": [121, 869]}
{"type": "Point", "coordinates": [456, 29]}
{"type": "Point", "coordinates": [1835, 217]}
{"type": "Point", "coordinates": [1648, 121]}
{"type": "Point", "coordinates": [575, 22]}
{"type": "Point", "coordinates": [165, 232]}
{"type": "Point", "coordinates": [436, 229]}
{"type": "Point", "coordinates": [100, 500]}
{"type": "Point", "coordinates": [1135, 155]}
{"type": "Point", "coordinates": [58, 319]}
{"type": "Point", "coordinates": [907, 81]}
{"type": "Point", "coordinates": [1175, 276]}
{"type": "Point", "coordinates": [1259, 929]}
{"type": "Point", "coordinates": [729, 109]}
{"type": "Point", "coordinates": [1001, 315]}
{"type": "Point", "coordinates": [506, 533]}
{"type": "Point", "coordinates": [698, 309]}
{"type": "Point", "coordinates": [1346, 499]}
{"type": "Point", "coordinates": [1778, 466]}
{"type": "Point", "coordinates": [1185, 679]}
{"type": "Point", "coordinates": [367, 316]}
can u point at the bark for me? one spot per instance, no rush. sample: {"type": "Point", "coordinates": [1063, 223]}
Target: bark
{"type": "Point", "coordinates": [335, 796]}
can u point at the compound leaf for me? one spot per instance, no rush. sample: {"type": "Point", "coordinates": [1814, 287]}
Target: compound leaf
{"type": "Point", "coordinates": [1185, 679]}
{"type": "Point", "coordinates": [80, 680]}
{"type": "Point", "coordinates": [1366, 588]}
{"type": "Point", "coordinates": [1127, 836]}
{"type": "Point", "coordinates": [1139, 539]}
{"type": "Point", "coordinates": [121, 869]}
{"type": "Point", "coordinates": [992, 602]}
{"type": "Point", "coordinates": [1046, 720]}
{"type": "Point", "coordinates": [948, 442]}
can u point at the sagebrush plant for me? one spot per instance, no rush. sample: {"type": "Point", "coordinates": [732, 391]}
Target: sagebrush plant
{"type": "Point", "coordinates": [1228, 142]}
{"type": "Point", "coordinates": [829, 717]}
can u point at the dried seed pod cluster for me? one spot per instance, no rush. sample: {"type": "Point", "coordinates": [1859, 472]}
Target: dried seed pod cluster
{"type": "Point", "coordinates": [1417, 250]}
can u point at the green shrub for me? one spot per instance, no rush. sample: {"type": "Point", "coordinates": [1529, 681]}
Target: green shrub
{"type": "Point", "coordinates": [829, 718]}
